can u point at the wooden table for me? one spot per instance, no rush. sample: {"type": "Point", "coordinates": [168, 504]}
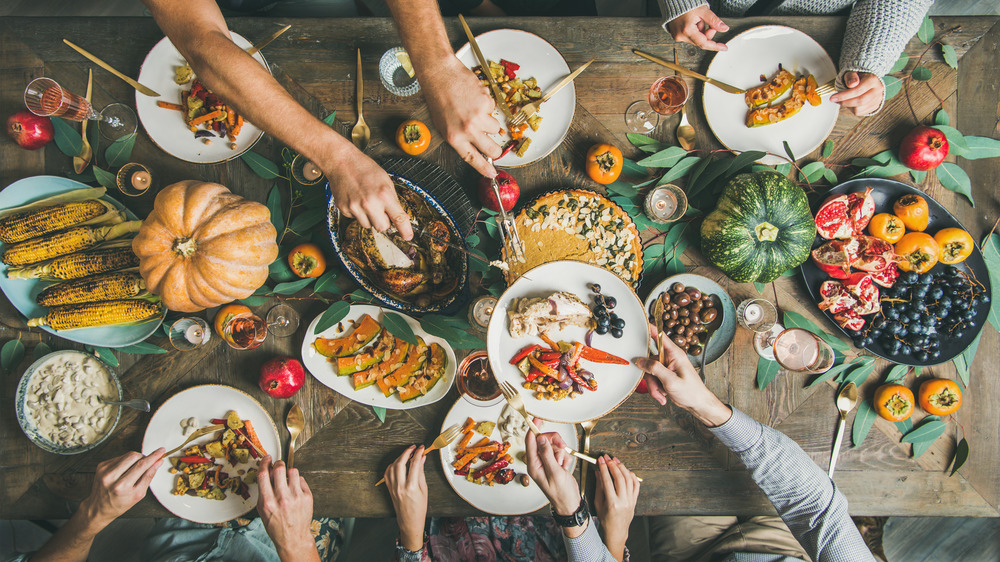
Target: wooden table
{"type": "Point", "coordinates": [345, 446]}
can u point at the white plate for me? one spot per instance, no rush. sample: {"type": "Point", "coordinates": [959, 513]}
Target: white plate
{"type": "Point", "coordinates": [22, 292]}
{"type": "Point", "coordinates": [615, 383]}
{"type": "Point", "coordinates": [324, 370]}
{"type": "Point", "coordinates": [205, 402]}
{"type": "Point", "coordinates": [500, 499]}
{"type": "Point", "coordinates": [755, 52]}
{"type": "Point", "coordinates": [540, 60]}
{"type": "Point", "coordinates": [166, 127]}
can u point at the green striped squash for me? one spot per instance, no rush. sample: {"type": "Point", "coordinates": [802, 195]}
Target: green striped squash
{"type": "Point", "coordinates": [761, 228]}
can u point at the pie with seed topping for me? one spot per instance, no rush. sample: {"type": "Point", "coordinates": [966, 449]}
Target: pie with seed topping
{"type": "Point", "coordinates": [580, 225]}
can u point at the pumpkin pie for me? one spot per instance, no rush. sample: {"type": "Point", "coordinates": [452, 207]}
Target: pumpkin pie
{"type": "Point", "coordinates": [577, 225]}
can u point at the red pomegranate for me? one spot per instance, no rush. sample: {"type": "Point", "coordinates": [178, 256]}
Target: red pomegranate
{"type": "Point", "coordinates": [29, 130]}
{"type": "Point", "coordinates": [923, 148]}
{"type": "Point", "coordinates": [508, 188]}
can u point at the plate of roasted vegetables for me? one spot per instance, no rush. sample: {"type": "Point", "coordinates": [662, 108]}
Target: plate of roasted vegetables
{"type": "Point", "coordinates": [189, 121]}
{"type": "Point", "coordinates": [213, 478]}
{"type": "Point", "coordinates": [565, 334]}
{"type": "Point", "coordinates": [362, 359]}
{"type": "Point", "coordinates": [68, 264]}
{"type": "Point", "coordinates": [426, 274]}
{"type": "Point", "coordinates": [780, 68]}
{"type": "Point", "coordinates": [486, 463]}
{"type": "Point", "coordinates": [525, 66]}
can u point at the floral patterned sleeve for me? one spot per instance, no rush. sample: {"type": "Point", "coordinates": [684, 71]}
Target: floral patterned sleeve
{"type": "Point", "coordinates": [403, 555]}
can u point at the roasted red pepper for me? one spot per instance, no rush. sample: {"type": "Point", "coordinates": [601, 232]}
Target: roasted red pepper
{"type": "Point", "coordinates": [196, 460]}
{"type": "Point", "coordinates": [533, 374]}
{"type": "Point", "coordinates": [598, 356]}
{"type": "Point", "coordinates": [548, 341]}
{"type": "Point", "coordinates": [491, 468]}
{"type": "Point", "coordinates": [548, 356]}
{"type": "Point", "coordinates": [508, 147]}
{"type": "Point", "coordinates": [575, 354]}
{"type": "Point", "coordinates": [545, 369]}
{"type": "Point", "coordinates": [577, 378]}
{"type": "Point", "coordinates": [509, 68]}
{"type": "Point", "coordinates": [524, 353]}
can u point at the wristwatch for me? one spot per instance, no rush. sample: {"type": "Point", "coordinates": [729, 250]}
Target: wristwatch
{"type": "Point", "coordinates": [577, 518]}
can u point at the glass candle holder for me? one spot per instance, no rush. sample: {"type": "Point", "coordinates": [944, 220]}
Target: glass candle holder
{"type": "Point", "coordinates": [480, 312]}
{"type": "Point", "coordinates": [189, 333]}
{"type": "Point", "coordinates": [394, 77]}
{"type": "Point", "coordinates": [665, 204]}
{"type": "Point", "coordinates": [756, 315]}
{"type": "Point", "coordinates": [134, 179]}
{"type": "Point", "coordinates": [305, 171]}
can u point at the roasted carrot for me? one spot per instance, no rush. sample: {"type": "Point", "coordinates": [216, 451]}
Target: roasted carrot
{"type": "Point", "coordinates": [168, 105]}
{"type": "Point", "coordinates": [465, 441]}
{"type": "Point", "coordinates": [207, 117]}
{"type": "Point", "coordinates": [503, 449]}
{"type": "Point", "coordinates": [480, 450]}
{"type": "Point", "coordinates": [464, 460]}
{"type": "Point", "coordinates": [252, 435]}
{"type": "Point", "coordinates": [548, 341]}
{"type": "Point", "coordinates": [469, 423]}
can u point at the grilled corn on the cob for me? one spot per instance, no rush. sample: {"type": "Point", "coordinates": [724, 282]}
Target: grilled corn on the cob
{"type": "Point", "coordinates": [29, 224]}
{"type": "Point", "coordinates": [92, 314]}
{"type": "Point", "coordinates": [106, 287]}
{"type": "Point", "coordinates": [74, 266]}
{"type": "Point", "coordinates": [66, 242]}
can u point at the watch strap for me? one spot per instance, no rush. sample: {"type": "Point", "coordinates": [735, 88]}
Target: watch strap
{"type": "Point", "coordinates": [577, 518]}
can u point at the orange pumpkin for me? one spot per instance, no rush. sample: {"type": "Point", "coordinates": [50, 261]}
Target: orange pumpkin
{"type": "Point", "coordinates": [203, 246]}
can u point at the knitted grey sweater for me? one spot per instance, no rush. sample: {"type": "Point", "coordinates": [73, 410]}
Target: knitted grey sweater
{"type": "Point", "coordinates": [877, 30]}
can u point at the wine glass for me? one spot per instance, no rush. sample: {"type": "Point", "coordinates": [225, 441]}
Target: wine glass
{"type": "Point", "coordinates": [666, 96]}
{"type": "Point", "coordinates": [189, 333]}
{"type": "Point", "coordinates": [46, 98]}
{"type": "Point", "coordinates": [282, 320]}
{"type": "Point", "coordinates": [801, 351]}
{"type": "Point", "coordinates": [244, 331]}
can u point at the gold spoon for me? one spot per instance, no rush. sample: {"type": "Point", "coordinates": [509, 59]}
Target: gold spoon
{"type": "Point", "coordinates": [86, 152]}
{"type": "Point", "coordinates": [846, 400]}
{"type": "Point", "coordinates": [360, 134]}
{"type": "Point", "coordinates": [295, 424]}
{"type": "Point", "coordinates": [685, 132]}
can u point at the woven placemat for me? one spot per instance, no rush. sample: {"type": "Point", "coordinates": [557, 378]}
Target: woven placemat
{"type": "Point", "coordinates": [438, 183]}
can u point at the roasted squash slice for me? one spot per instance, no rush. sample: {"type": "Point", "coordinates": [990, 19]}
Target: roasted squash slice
{"type": "Point", "coordinates": [414, 364]}
{"type": "Point", "coordinates": [432, 373]}
{"type": "Point", "coordinates": [772, 114]}
{"type": "Point", "coordinates": [394, 361]}
{"type": "Point", "coordinates": [772, 90]}
{"type": "Point", "coordinates": [364, 331]}
{"type": "Point", "coordinates": [364, 360]}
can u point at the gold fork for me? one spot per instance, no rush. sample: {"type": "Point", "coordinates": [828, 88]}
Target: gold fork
{"type": "Point", "coordinates": [199, 433]}
{"type": "Point", "coordinates": [827, 88]}
{"type": "Point", "coordinates": [530, 109]}
{"type": "Point", "coordinates": [588, 427]}
{"type": "Point", "coordinates": [513, 398]}
{"type": "Point", "coordinates": [443, 440]}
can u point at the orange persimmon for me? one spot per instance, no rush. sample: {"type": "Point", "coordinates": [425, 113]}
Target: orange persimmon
{"type": "Point", "coordinates": [919, 252]}
{"type": "Point", "coordinates": [604, 163]}
{"type": "Point", "coordinates": [912, 209]}
{"type": "Point", "coordinates": [893, 402]}
{"type": "Point", "coordinates": [956, 245]}
{"type": "Point", "coordinates": [307, 260]}
{"type": "Point", "coordinates": [886, 226]}
{"type": "Point", "coordinates": [413, 137]}
{"type": "Point", "coordinates": [940, 396]}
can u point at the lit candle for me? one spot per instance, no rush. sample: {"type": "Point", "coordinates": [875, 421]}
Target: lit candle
{"type": "Point", "coordinates": [194, 334]}
{"type": "Point", "coordinates": [140, 180]}
{"type": "Point", "coordinates": [311, 172]}
{"type": "Point", "coordinates": [752, 313]}
{"type": "Point", "coordinates": [482, 310]}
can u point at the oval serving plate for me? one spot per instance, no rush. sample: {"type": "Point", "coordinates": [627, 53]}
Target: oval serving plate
{"type": "Point", "coordinates": [723, 337]}
{"type": "Point", "coordinates": [452, 302]}
{"type": "Point", "coordinates": [885, 192]}
{"type": "Point", "coordinates": [22, 292]}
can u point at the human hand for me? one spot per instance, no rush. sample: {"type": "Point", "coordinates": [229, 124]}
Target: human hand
{"type": "Point", "coordinates": [617, 492]}
{"type": "Point", "coordinates": [680, 382]}
{"type": "Point", "coordinates": [698, 27]}
{"type": "Point", "coordinates": [864, 93]}
{"type": "Point", "coordinates": [548, 465]}
{"type": "Point", "coordinates": [462, 109]}
{"type": "Point", "coordinates": [285, 506]}
{"type": "Point", "coordinates": [408, 488]}
{"type": "Point", "coordinates": [119, 484]}
{"type": "Point", "coordinates": [362, 189]}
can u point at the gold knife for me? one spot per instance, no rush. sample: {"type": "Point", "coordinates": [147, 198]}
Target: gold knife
{"type": "Point", "coordinates": [718, 84]}
{"type": "Point", "coordinates": [142, 89]}
{"type": "Point", "coordinates": [562, 83]}
{"type": "Point", "coordinates": [253, 50]}
{"type": "Point", "coordinates": [494, 88]}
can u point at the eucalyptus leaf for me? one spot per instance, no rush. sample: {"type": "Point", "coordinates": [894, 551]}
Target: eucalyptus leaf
{"type": "Point", "coordinates": [331, 118]}
{"type": "Point", "coordinates": [653, 259]}
{"type": "Point", "coordinates": [105, 178]}
{"type": "Point", "coordinates": [41, 350]}
{"type": "Point", "coordinates": [663, 158]}
{"type": "Point", "coordinates": [766, 371]}
{"type": "Point", "coordinates": [920, 448]}
{"type": "Point", "coordinates": [362, 296]}
{"type": "Point", "coordinates": [106, 355]}
{"type": "Point", "coordinates": [438, 325]}
{"type": "Point", "coordinates": [827, 148]}
{"type": "Point", "coordinates": [696, 172]}
{"type": "Point", "coordinates": [379, 413]}
{"type": "Point", "coordinates": [307, 219]}
{"type": "Point", "coordinates": [922, 73]}
{"type": "Point", "coordinates": [783, 169]}
{"type": "Point", "coordinates": [675, 267]}
{"type": "Point", "coordinates": [254, 300]}
{"type": "Point", "coordinates": [742, 160]}
{"type": "Point", "coordinates": [327, 282]}
{"type": "Point", "coordinates": [292, 287]}
{"type": "Point", "coordinates": [900, 63]}
{"type": "Point", "coordinates": [399, 328]}
{"type": "Point", "coordinates": [481, 265]}
{"type": "Point", "coordinates": [119, 152]}
{"type": "Point", "coordinates": [622, 188]}
{"type": "Point", "coordinates": [961, 455]}
{"type": "Point", "coordinates": [86, 177]}
{"type": "Point", "coordinates": [863, 421]}
{"type": "Point", "coordinates": [335, 313]}
{"type": "Point", "coordinates": [760, 287]}
{"type": "Point", "coordinates": [962, 368]}
{"type": "Point", "coordinates": [981, 147]}
{"type": "Point", "coordinates": [926, 431]}
{"type": "Point", "coordinates": [954, 178]}
{"type": "Point", "coordinates": [654, 148]}
{"type": "Point", "coordinates": [897, 373]}
{"type": "Point", "coordinates": [949, 55]}
{"type": "Point", "coordinates": [926, 31]}
{"type": "Point", "coordinates": [941, 118]}
{"type": "Point", "coordinates": [67, 139]}
{"type": "Point", "coordinates": [865, 162]}
{"type": "Point", "coordinates": [957, 146]}
{"type": "Point", "coordinates": [280, 271]}
{"type": "Point", "coordinates": [893, 85]}
{"type": "Point", "coordinates": [640, 140]}
{"type": "Point", "coordinates": [679, 169]}
{"type": "Point", "coordinates": [831, 176]}
{"type": "Point", "coordinates": [991, 255]}
{"type": "Point", "coordinates": [274, 206]}
{"type": "Point", "coordinates": [788, 151]}
{"type": "Point", "coordinates": [967, 357]}
{"type": "Point", "coordinates": [833, 372]}
{"type": "Point", "coordinates": [812, 171]}
{"type": "Point", "coordinates": [885, 157]}
{"type": "Point", "coordinates": [712, 171]}
{"type": "Point", "coordinates": [260, 165]}
{"type": "Point", "coordinates": [11, 355]}
{"type": "Point", "coordinates": [905, 425]}
{"type": "Point", "coordinates": [142, 348]}
{"type": "Point", "coordinates": [861, 373]}
{"type": "Point", "coordinates": [631, 168]}
{"type": "Point", "coordinates": [918, 175]}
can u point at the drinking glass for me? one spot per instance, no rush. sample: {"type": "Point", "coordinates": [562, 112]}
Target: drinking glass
{"type": "Point", "coordinates": [244, 331]}
{"type": "Point", "coordinates": [189, 333]}
{"type": "Point", "coordinates": [666, 96]}
{"type": "Point", "coordinates": [282, 320]}
{"type": "Point", "coordinates": [394, 76]}
{"type": "Point", "coordinates": [801, 351]}
{"type": "Point", "coordinates": [756, 315]}
{"type": "Point", "coordinates": [46, 98]}
{"type": "Point", "coordinates": [665, 204]}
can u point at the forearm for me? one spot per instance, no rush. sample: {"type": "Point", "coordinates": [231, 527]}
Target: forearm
{"type": "Point", "coordinates": [877, 32]}
{"type": "Point", "coordinates": [243, 83]}
{"type": "Point", "coordinates": [72, 541]}
{"type": "Point", "coordinates": [422, 31]}
{"type": "Point", "coordinates": [303, 551]}
{"type": "Point", "coordinates": [805, 498]}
